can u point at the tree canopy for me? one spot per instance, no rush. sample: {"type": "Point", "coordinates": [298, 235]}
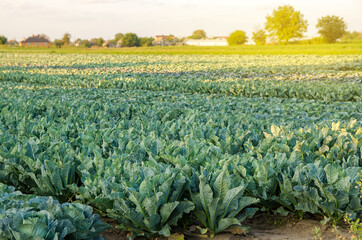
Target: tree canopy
{"type": "Point", "coordinates": [66, 39]}
{"type": "Point", "coordinates": [58, 43]}
{"type": "Point", "coordinates": [146, 41]}
{"type": "Point", "coordinates": [237, 38]}
{"type": "Point", "coordinates": [130, 40]}
{"type": "Point", "coordinates": [85, 43]}
{"type": "Point", "coordinates": [285, 23]}
{"type": "Point", "coordinates": [96, 42]}
{"type": "Point", "coordinates": [118, 36]}
{"type": "Point", "coordinates": [100, 42]}
{"type": "Point", "coordinates": [331, 28]}
{"type": "Point", "coordinates": [3, 40]}
{"type": "Point", "coordinates": [44, 36]}
{"type": "Point", "coordinates": [198, 34]}
{"type": "Point", "coordinates": [170, 38]}
{"type": "Point", "coordinates": [259, 37]}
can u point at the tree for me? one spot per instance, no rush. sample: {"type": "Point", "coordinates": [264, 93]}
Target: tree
{"type": "Point", "coordinates": [58, 43]}
{"type": "Point", "coordinates": [259, 37]}
{"type": "Point", "coordinates": [66, 39]}
{"type": "Point", "coordinates": [130, 40]}
{"type": "Point", "coordinates": [331, 28]}
{"type": "Point", "coordinates": [96, 42]}
{"type": "Point", "coordinates": [237, 38]}
{"type": "Point", "coordinates": [146, 41]}
{"type": "Point", "coordinates": [3, 40]}
{"type": "Point", "coordinates": [85, 43]}
{"type": "Point", "coordinates": [44, 36]}
{"type": "Point", "coordinates": [285, 23]}
{"type": "Point", "coordinates": [118, 36]}
{"type": "Point", "coordinates": [100, 42]}
{"type": "Point", "coordinates": [198, 34]}
{"type": "Point", "coordinates": [170, 38]}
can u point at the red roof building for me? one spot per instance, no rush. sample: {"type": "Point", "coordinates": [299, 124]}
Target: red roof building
{"type": "Point", "coordinates": [164, 40]}
{"type": "Point", "coordinates": [36, 41]}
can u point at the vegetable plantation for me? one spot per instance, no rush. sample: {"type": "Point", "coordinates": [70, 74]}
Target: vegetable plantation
{"type": "Point", "coordinates": [157, 142]}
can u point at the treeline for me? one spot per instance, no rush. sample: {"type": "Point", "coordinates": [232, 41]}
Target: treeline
{"type": "Point", "coordinates": [284, 26]}
{"type": "Point", "coordinates": [128, 40]}
{"type": "Point", "coordinates": [119, 40]}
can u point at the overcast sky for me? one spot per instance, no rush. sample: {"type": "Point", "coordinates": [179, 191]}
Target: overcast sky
{"type": "Point", "coordinates": [104, 18]}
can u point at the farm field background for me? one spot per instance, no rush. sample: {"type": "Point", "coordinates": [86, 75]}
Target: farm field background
{"type": "Point", "coordinates": [296, 49]}
{"type": "Point", "coordinates": [154, 141]}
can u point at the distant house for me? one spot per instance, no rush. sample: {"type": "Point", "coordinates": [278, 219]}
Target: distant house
{"type": "Point", "coordinates": [78, 43]}
{"type": "Point", "coordinates": [217, 41]}
{"type": "Point", "coordinates": [93, 42]}
{"type": "Point", "coordinates": [35, 40]}
{"type": "Point", "coordinates": [164, 40]}
{"type": "Point", "coordinates": [119, 43]}
{"type": "Point", "coordinates": [108, 44]}
{"type": "Point", "coordinates": [13, 43]}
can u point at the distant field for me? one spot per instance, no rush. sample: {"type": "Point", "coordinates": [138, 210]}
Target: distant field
{"type": "Point", "coordinates": [320, 49]}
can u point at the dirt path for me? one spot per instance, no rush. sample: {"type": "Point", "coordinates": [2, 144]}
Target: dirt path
{"type": "Point", "coordinates": [263, 227]}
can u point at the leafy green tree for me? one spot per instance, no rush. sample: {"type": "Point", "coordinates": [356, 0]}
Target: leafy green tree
{"type": "Point", "coordinates": [118, 36]}
{"type": "Point", "coordinates": [66, 39]}
{"type": "Point", "coordinates": [237, 38]}
{"type": "Point", "coordinates": [259, 37]}
{"type": "Point", "coordinates": [58, 43]}
{"type": "Point", "coordinates": [285, 23]}
{"type": "Point", "coordinates": [146, 41]}
{"type": "Point", "coordinates": [44, 36]}
{"type": "Point", "coordinates": [198, 34]}
{"type": "Point", "coordinates": [96, 42]}
{"type": "Point", "coordinates": [331, 28]}
{"type": "Point", "coordinates": [130, 40]}
{"type": "Point", "coordinates": [3, 40]}
{"type": "Point", "coordinates": [170, 38]}
{"type": "Point", "coordinates": [100, 42]}
{"type": "Point", "coordinates": [85, 43]}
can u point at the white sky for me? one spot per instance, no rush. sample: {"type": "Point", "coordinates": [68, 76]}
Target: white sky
{"type": "Point", "coordinates": [104, 18]}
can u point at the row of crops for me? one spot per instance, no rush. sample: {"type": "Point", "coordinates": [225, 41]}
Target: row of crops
{"type": "Point", "coordinates": [154, 160]}
{"type": "Point", "coordinates": [327, 78]}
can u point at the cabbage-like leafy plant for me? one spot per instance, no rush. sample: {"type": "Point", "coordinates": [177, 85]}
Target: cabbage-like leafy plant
{"type": "Point", "coordinates": [331, 190]}
{"type": "Point", "coordinates": [28, 167]}
{"type": "Point", "coordinates": [220, 202]}
{"type": "Point", "coordinates": [31, 217]}
{"type": "Point", "coordinates": [153, 206]}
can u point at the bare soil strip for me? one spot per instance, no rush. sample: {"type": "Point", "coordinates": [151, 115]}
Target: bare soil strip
{"type": "Point", "coordinates": [262, 227]}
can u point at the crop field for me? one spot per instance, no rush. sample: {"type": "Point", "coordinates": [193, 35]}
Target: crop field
{"type": "Point", "coordinates": [160, 143]}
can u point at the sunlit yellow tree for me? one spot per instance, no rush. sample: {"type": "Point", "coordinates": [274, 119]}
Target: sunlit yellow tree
{"type": "Point", "coordinates": [259, 37]}
{"type": "Point", "coordinates": [285, 23]}
{"type": "Point", "coordinates": [198, 34]}
{"type": "Point", "coordinates": [237, 38]}
{"type": "Point", "coordinates": [331, 28]}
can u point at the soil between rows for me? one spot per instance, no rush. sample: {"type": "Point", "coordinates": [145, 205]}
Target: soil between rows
{"type": "Point", "coordinates": [262, 227]}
